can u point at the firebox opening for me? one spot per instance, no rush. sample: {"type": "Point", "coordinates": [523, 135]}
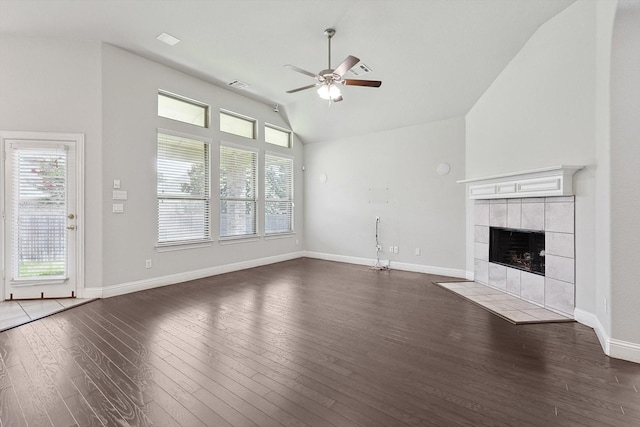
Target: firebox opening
{"type": "Point", "coordinates": [521, 249]}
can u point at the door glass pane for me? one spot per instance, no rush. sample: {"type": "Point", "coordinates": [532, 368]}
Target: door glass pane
{"type": "Point", "coordinates": [40, 210]}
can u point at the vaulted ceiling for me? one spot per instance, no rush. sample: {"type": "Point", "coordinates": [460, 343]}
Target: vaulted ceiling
{"type": "Point", "coordinates": [435, 57]}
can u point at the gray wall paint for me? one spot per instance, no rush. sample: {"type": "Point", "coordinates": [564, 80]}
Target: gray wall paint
{"type": "Point", "coordinates": [110, 95]}
{"type": "Point", "coordinates": [53, 86]}
{"type": "Point", "coordinates": [130, 121]}
{"type": "Point", "coordinates": [551, 106]}
{"type": "Point", "coordinates": [625, 173]}
{"type": "Point", "coordinates": [541, 112]}
{"type": "Point", "coordinates": [605, 13]}
{"type": "Point", "coordinates": [424, 210]}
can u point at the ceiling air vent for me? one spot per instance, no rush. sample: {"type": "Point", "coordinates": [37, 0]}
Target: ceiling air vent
{"type": "Point", "coordinates": [238, 84]}
{"type": "Point", "coordinates": [360, 69]}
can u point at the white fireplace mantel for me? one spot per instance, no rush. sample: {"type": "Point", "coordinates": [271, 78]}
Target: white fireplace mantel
{"type": "Point", "coordinates": [544, 182]}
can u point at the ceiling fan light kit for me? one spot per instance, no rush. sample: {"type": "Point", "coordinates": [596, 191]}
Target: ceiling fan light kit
{"type": "Point", "coordinates": [329, 91]}
{"type": "Point", "coordinates": [329, 79]}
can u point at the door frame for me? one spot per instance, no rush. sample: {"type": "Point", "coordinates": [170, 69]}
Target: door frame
{"type": "Point", "coordinates": [76, 139]}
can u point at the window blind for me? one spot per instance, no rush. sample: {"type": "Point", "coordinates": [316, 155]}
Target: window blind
{"type": "Point", "coordinates": [39, 204]}
{"type": "Point", "coordinates": [238, 192]}
{"type": "Point", "coordinates": [183, 190]}
{"type": "Point", "coordinates": [278, 187]}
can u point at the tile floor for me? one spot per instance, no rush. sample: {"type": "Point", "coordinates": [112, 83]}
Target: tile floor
{"type": "Point", "coordinates": [16, 313]}
{"type": "Point", "coordinates": [510, 308]}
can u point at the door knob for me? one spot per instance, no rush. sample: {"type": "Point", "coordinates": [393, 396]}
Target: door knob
{"type": "Point", "coordinates": [71, 227]}
{"type": "Point", "coordinates": [71, 216]}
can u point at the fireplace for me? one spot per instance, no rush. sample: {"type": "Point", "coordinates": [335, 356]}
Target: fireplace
{"type": "Point", "coordinates": [540, 266]}
{"type": "Point", "coordinates": [517, 248]}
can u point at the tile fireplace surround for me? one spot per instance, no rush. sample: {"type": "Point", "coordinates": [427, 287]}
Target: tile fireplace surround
{"type": "Point", "coordinates": [554, 216]}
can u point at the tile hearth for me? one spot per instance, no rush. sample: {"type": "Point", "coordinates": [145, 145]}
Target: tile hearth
{"type": "Point", "coordinates": [508, 307]}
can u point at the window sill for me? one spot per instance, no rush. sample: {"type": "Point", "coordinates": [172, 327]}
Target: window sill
{"type": "Point", "coordinates": [274, 236]}
{"type": "Point", "coordinates": [238, 239]}
{"type": "Point", "coordinates": [170, 247]}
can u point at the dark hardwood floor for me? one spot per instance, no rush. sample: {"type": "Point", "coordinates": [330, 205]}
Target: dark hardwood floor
{"type": "Point", "coordinates": [307, 342]}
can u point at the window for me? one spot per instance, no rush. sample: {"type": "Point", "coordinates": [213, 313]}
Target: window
{"type": "Point", "coordinates": [182, 109]}
{"type": "Point", "coordinates": [238, 192]}
{"type": "Point", "coordinates": [237, 124]}
{"type": "Point", "coordinates": [278, 188]}
{"type": "Point", "coordinates": [39, 212]}
{"type": "Point", "coordinates": [183, 189]}
{"type": "Point", "coordinates": [277, 136]}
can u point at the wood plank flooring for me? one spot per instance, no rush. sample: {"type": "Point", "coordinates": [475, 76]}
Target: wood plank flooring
{"type": "Point", "coordinates": [307, 343]}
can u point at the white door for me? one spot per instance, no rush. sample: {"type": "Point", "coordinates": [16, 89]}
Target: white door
{"type": "Point", "coordinates": [40, 210]}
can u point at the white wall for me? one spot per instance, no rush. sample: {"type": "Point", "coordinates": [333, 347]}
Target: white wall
{"type": "Point", "coordinates": [605, 13]}
{"type": "Point", "coordinates": [540, 112]}
{"type": "Point", "coordinates": [625, 181]}
{"type": "Point", "coordinates": [130, 87]}
{"type": "Point", "coordinates": [550, 106]}
{"type": "Point", "coordinates": [424, 210]}
{"type": "Point", "coordinates": [110, 95]}
{"type": "Point", "coordinates": [52, 86]}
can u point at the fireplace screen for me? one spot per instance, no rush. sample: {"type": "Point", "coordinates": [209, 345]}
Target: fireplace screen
{"type": "Point", "coordinates": [519, 249]}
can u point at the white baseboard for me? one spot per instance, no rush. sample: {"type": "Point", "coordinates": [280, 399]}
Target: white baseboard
{"type": "Point", "coordinates": [612, 347]}
{"type": "Point", "coordinates": [141, 285]}
{"type": "Point", "coordinates": [470, 276]}
{"type": "Point", "coordinates": [591, 320]}
{"type": "Point", "coordinates": [418, 268]}
{"type": "Point", "coordinates": [624, 350]}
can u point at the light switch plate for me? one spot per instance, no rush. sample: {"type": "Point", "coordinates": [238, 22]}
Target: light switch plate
{"type": "Point", "coordinates": [118, 208]}
{"type": "Point", "coordinates": [119, 195]}
{"type": "Point", "coordinates": [116, 183]}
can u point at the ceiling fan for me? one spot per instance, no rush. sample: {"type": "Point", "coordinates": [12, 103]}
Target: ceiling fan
{"type": "Point", "coordinates": [328, 80]}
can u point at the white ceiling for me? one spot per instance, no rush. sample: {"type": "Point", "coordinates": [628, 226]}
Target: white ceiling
{"type": "Point", "coordinates": [435, 57]}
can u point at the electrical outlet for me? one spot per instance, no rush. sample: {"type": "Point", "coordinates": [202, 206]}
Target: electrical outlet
{"type": "Point", "coordinates": [390, 249]}
{"type": "Point", "coordinates": [395, 250]}
{"type": "Point", "coordinates": [417, 251]}
{"type": "Point", "coordinates": [148, 264]}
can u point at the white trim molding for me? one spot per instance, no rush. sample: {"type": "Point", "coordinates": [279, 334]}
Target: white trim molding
{"type": "Point", "coordinates": [612, 347]}
{"type": "Point", "coordinates": [624, 350]}
{"type": "Point", "coordinates": [141, 285]}
{"type": "Point", "coordinates": [544, 182]}
{"type": "Point", "coordinates": [591, 320]}
{"type": "Point", "coordinates": [417, 268]}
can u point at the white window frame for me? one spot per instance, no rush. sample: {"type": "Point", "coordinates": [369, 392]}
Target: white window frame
{"type": "Point", "coordinates": [207, 108]}
{"type": "Point", "coordinates": [279, 200]}
{"type": "Point", "coordinates": [254, 200]}
{"type": "Point", "coordinates": [254, 123]}
{"type": "Point", "coordinates": [289, 132]}
{"type": "Point", "coordinates": [206, 239]}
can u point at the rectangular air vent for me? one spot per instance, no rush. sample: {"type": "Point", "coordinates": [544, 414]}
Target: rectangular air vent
{"type": "Point", "coordinates": [360, 69]}
{"type": "Point", "coordinates": [237, 84]}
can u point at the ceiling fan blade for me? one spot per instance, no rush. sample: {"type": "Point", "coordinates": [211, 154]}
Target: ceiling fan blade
{"type": "Point", "coordinates": [346, 65]}
{"type": "Point", "coordinates": [356, 82]}
{"type": "Point", "coordinates": [305, 72]}
{"type": "Point", "coordinates": [302, 88]}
